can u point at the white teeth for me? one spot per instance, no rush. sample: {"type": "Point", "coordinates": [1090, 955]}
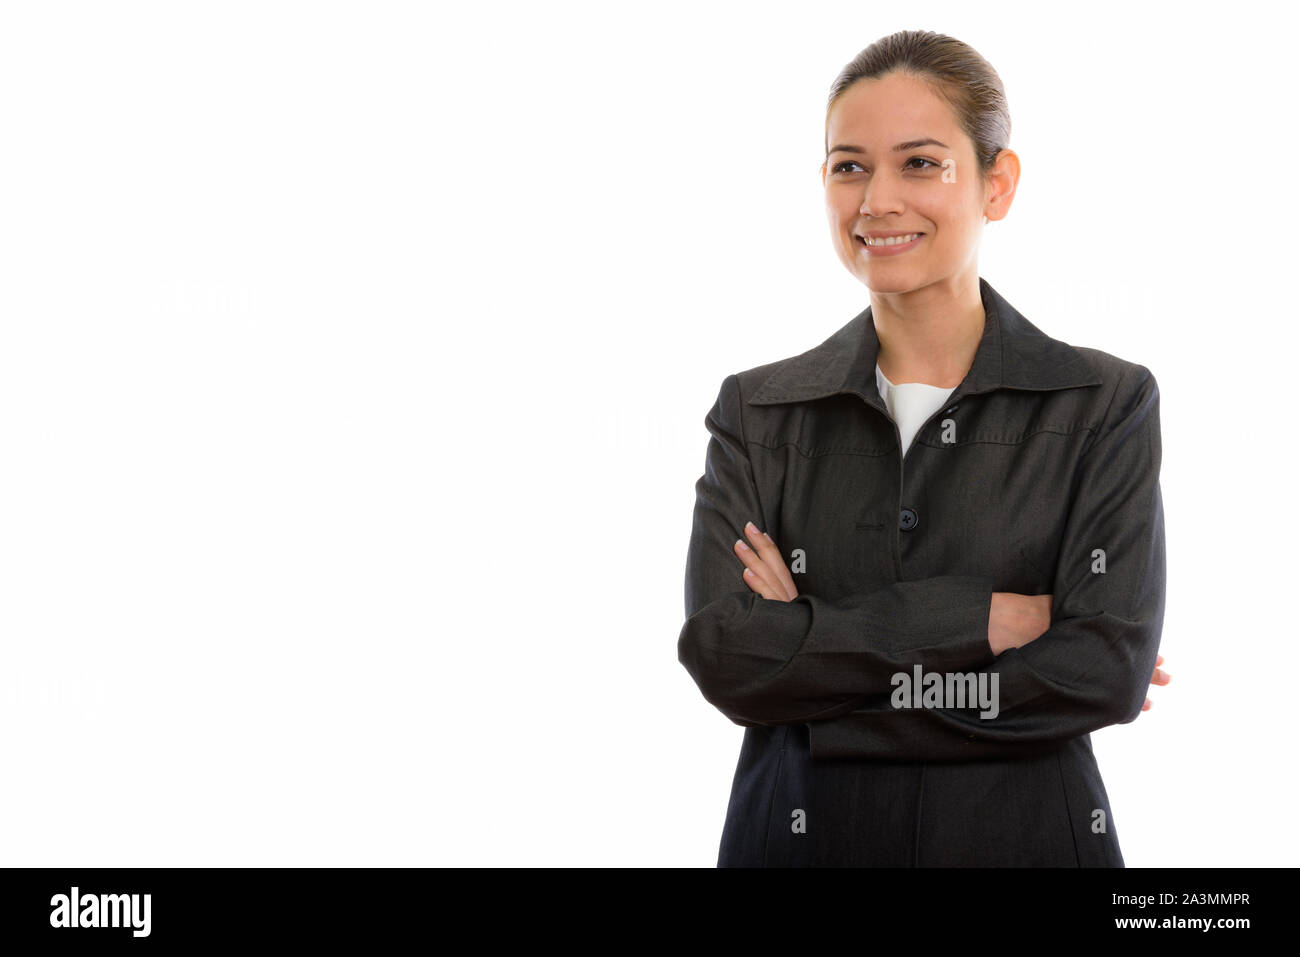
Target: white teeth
{"type": "Point", "coordinates": [893, 241]}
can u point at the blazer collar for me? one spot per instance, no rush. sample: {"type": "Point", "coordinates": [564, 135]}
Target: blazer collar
{"type": "Point", "coordinates": [1012, 354]}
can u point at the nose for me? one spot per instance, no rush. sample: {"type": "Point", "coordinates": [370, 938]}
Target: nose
{"type": "Point", "coordinates": [880, 198]}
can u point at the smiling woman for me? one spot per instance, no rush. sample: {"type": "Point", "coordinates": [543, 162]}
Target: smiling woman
{"type": "Point", "coordinates": [915, 169]}
{"type": "Point", "coordinates": [960, 496]}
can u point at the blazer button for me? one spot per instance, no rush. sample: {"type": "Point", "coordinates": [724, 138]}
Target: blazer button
{"type": "Point", "coordinates": [907, 519]}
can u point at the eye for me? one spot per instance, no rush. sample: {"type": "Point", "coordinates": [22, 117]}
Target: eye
{"type": "Point", "coordinates": [839, 167]}
{"type": "Point", "coordinates": [921, 159]}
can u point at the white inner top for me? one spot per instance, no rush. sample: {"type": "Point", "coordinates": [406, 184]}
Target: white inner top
{"type": "Point", "coordinates": [910, 404]}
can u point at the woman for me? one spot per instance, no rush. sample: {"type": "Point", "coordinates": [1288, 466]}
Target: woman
{"type": "Point", "coordinates": [971, 515]}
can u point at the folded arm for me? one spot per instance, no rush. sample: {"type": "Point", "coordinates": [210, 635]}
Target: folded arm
{"type": "Point", "coordinates": [770, 662]}
{"type": "Point", "coordinates": [1091, 668]}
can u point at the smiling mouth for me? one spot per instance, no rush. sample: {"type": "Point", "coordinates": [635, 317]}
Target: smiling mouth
{"type": "Point", "coordinates": [892, 241]}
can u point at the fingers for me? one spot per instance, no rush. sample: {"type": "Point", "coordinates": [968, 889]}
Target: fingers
{"type": "Point", "coordinates": [756, 574]}
{"type": "Point", "coordinates": [773, 560]}
{"type": "Point", "coordinates": [1159, 677]}
{"type": "Point", "coordinates": [762, 587]}
{"type": "Point", "coordinates": [765, 570]}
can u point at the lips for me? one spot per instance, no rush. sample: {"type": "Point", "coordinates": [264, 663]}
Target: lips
{"type": "Point", "coordinates": [893, 247]}
{"type": "Point", "coordinates": [884, 241]}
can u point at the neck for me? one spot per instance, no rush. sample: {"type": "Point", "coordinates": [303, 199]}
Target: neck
{"type": "Point", "coordinates": [929, 334]}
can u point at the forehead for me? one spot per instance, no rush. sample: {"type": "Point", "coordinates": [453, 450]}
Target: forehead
{"type": "Point", "coordinates": [877, 113]}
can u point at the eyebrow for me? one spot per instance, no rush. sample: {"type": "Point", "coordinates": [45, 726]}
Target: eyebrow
{"type": "Point", "coordinates": [909, 145]}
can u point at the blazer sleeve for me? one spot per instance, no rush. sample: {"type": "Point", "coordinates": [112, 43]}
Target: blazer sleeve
{"type": "Point", "coordinates": [766, 662]}
{"type": "Point", "coordinates": [1092, 667]}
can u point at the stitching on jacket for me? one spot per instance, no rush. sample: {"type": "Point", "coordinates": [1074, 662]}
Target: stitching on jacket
{"type": "Point", "coordinates": [1105, 416]}
{"type": "Point", "coordinates": [744, 444]}
{"type": "Point", "coordinates": [833, 450]}
{"type": "Point", "coordinates": [987, 438]}
{"type": "Point", "coordinates": [1075, 477]}
{"type": "Point", "coordinates": [982, 438]}
{"type": "Point", "coordinates": [822, 714]}
{"type": "Point", "coordinates": [1069, 813]}
{"type": "Point", "coordinates": [771, 798]}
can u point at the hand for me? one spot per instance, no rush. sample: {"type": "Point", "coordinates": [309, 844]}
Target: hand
{"type": "Point", "coordinates": [765, 571]}
{"type": "Point", "coordinates": [1016, 620]}
{"type": "Point", "coordinates": [1158, 677]}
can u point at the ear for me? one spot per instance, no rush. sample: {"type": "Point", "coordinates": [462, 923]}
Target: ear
{"type": "Point", "coordinates": [1003, 179]}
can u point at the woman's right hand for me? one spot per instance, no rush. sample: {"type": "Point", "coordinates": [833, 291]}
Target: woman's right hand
{"type": "Point", "coordinates": [1016, 620]}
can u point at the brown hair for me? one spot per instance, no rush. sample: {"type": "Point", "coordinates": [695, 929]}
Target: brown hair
{"type": "Point", "coordinates": [954, 70]}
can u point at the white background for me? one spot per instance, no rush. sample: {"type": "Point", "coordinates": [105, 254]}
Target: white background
{"type": "Point", "coordinates": [353, 370]}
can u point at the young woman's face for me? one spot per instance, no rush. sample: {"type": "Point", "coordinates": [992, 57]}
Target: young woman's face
{"type": "Point", "coordinates": [874, 186]}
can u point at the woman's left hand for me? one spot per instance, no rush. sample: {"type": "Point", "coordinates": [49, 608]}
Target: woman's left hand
{"type": "Point", "coordinates": [1158, 677]}
{"type": "Point", "coordinates": [765, 570]}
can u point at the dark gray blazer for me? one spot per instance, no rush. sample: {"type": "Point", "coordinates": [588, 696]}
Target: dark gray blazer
{"type": "Point", "coordinates": [1040, 474]}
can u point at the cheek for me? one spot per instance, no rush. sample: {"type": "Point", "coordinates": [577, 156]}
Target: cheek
{"type": "Point", "coordinates": [842, 213]}
{"type": "Point", "coordinates": [841, 223]}
{"type": "Point", "coordinates": [952, 223]}
{"type": "Point", "coordinates": [946, 203]}
{"type": "Point", "coordinates": [842, 204]}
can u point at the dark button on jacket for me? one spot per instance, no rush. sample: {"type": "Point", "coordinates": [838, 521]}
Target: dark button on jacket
{"type": "Point", "coordinates": [1051, 485]}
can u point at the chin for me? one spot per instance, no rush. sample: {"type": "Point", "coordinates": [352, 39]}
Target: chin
{"type": "Point", "coordinates": [888, 280]}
